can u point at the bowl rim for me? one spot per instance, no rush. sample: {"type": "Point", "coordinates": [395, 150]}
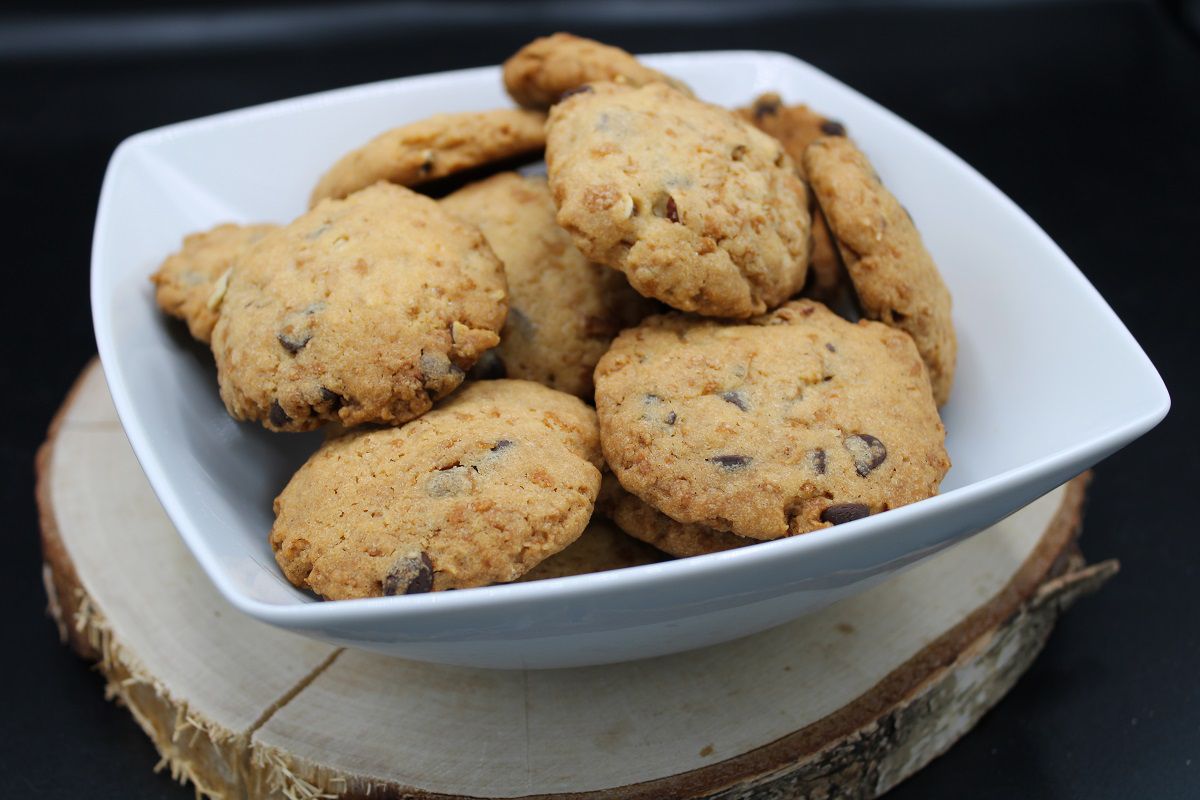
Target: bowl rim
{"type": "Point", "coordinates": [314, 614]}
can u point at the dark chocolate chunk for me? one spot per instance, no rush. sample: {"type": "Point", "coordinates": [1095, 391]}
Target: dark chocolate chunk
{"type": "Point", "coordinates": [427, 165]}
{"type": "Point", "coordinates": [669, 418]}
{"type": "Point", "coordinates": [278, 416]}
{"type": "Point", "coordinates": [767, 106]}
{"type": "Point", "coordinates": [829, 346]}
{"type": "Point", "coordinates": [736, 398]}
{"type": "Point", "coordinates": [816, 460]}
{"type": "Point", "coordinates": [672, 210]}
{"type": "Point", "coordinates": [845, 512]}
{"type": "Point", "coordinates": [731, 462]}
{"type": "Point", "coordinates": [868, 452]}
{"type": "Point", "coordinates": [409, 576]}
{"type": "Point", "coordinates": [502, 444]}
{"type": "Point", "coordinates": [832, 127]}
{"type": "Point", "coordinates": [294, 342]}
{"type": "Point", "coordinates": [330, 396]}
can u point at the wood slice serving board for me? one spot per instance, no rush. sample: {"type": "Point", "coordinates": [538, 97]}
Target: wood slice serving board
{"type": "Point", "coordinates": [844, 703]}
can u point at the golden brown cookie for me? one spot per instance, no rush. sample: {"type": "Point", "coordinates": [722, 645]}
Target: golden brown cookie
{"type": "Point", "coordinates": [796, 127]}
{"type": "Point", "coordinates": [477, 491]}
{"type": "Point", "coordinates": [538, 74]}
{"type": "Point", "coordinates": [366, 309]}
{"type": "Point", "coordinates": [655, 528]}
{"type": "Point", "coordinates": [191, 283]}
{"type": "Point", "coordinates": [698, 208]}
{"type": "Point", "coordinates": [434, 148]}
{"type": "Point", "coordinates": [563, 310]}
{"type": "Point", "coordinates": [601, 547]}
{"type": "Point", "coordinates": [895, 277]}
{"type": "Point", "coordinates": [779, 425]}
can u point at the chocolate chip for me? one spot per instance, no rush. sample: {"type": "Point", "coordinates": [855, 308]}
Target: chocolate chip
{"type": "Point", "coordinates": [731, 462]}
{"type": "Point", "coordinates": [816, 460]}
{"type": "Point", "coordinates": [278, 417]}
{"type": "Point", "coordinates": [829, 346]}
{"type": "Point", "coordinates": [427, 164]}
{"type": "Point", "coordinates": [736, 398]}
{"type": "Point", "coordinates": [868, 452]}
{"type": "Point", "coordinates": [832, 127]}
{"type": "Point", "coordinates": [502, 444]}
{"type": "Point", "coordinates": [739, 152]}
{"type": "Point", "coordinates": [767, 105]}
{"type": "Point", "coordinates": [489, 367]}
{"type": "Point", "coordinates": [330, 396]}
{"type": "Point", "coordinates": [672, 210]}
{"type": "Point", "coordinates": [845, 512]}
{"type": "Point", "coordinates": [294, 342]}
{"type": "Point", "coordinates": [669, 418]}
{"type": "Point", "coordinates": [409, 576]}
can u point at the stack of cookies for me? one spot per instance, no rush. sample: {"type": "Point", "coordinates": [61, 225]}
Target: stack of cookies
{"type": "Point", "coordinates": [644, 333]}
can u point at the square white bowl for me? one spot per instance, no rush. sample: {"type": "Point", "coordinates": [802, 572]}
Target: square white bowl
{"type": "Point", "coordinates": [1049, 382]}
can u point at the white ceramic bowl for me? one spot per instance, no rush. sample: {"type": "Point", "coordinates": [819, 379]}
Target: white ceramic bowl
{"type": "Point", "coordinates": [1049, 382]}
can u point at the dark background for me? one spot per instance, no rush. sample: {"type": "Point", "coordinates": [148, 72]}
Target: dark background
{"type": "Point", "coordinates": [1086, 114]}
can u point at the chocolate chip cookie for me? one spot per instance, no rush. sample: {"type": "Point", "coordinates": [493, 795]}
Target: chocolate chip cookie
{"type": "Point", "coordinates": [191, 283]}
{"type": "Point", "coordinates": [563, 309]}
{"type": "Point", "coordinates": [796, 127]}
{"type": "Point", "coordinates": [366, 309]}
{"type": "Point", "coordinates": [477, 491]}
{"type": "Point", "coordinates": [653, 527]}
{"type": "Point", "coordinates": [541, 72]}
{"type": "Point", "coordinates": [697, 207]}
{"type": "Point", "coordinates": [600, 548]}
{"type": "Point", "coordinates": [785, 423]}
{"type": "Point", "coordinates": [434, 148]}
{"type": "Point", "coordinates": [894, 275]}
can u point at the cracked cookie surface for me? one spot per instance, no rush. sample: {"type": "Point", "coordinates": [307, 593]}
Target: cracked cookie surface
{"type": "Point", "coordinates": [478, 491]}
{"type": "Point", "coordinates": [362, 310]}
{"type": "Point", "coordinates": [789, 422]}
{"type": "Point", "coordinates": [563, 310]}
{"type": "Point", "coordinates": [433, 148]}
{"type": "Point", "coordinates": [190, 283]}
{"type": "Point", "coordinates": [697, 207]}
{"type": "Point", "coordinates": [893, 274]}
{"type": "Point", "coordinates": [538, 74]}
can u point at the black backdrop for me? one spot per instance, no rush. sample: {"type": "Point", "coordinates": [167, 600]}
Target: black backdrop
{"type": "Point", "coordinates": [1086, 114]}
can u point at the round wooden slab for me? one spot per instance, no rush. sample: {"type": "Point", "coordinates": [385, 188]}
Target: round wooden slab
{"type": "Point", "coordinates": [846, 702]}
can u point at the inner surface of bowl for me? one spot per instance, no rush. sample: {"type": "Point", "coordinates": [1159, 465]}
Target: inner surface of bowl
{"type": "Point", "coordinates": [1048, 379]}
